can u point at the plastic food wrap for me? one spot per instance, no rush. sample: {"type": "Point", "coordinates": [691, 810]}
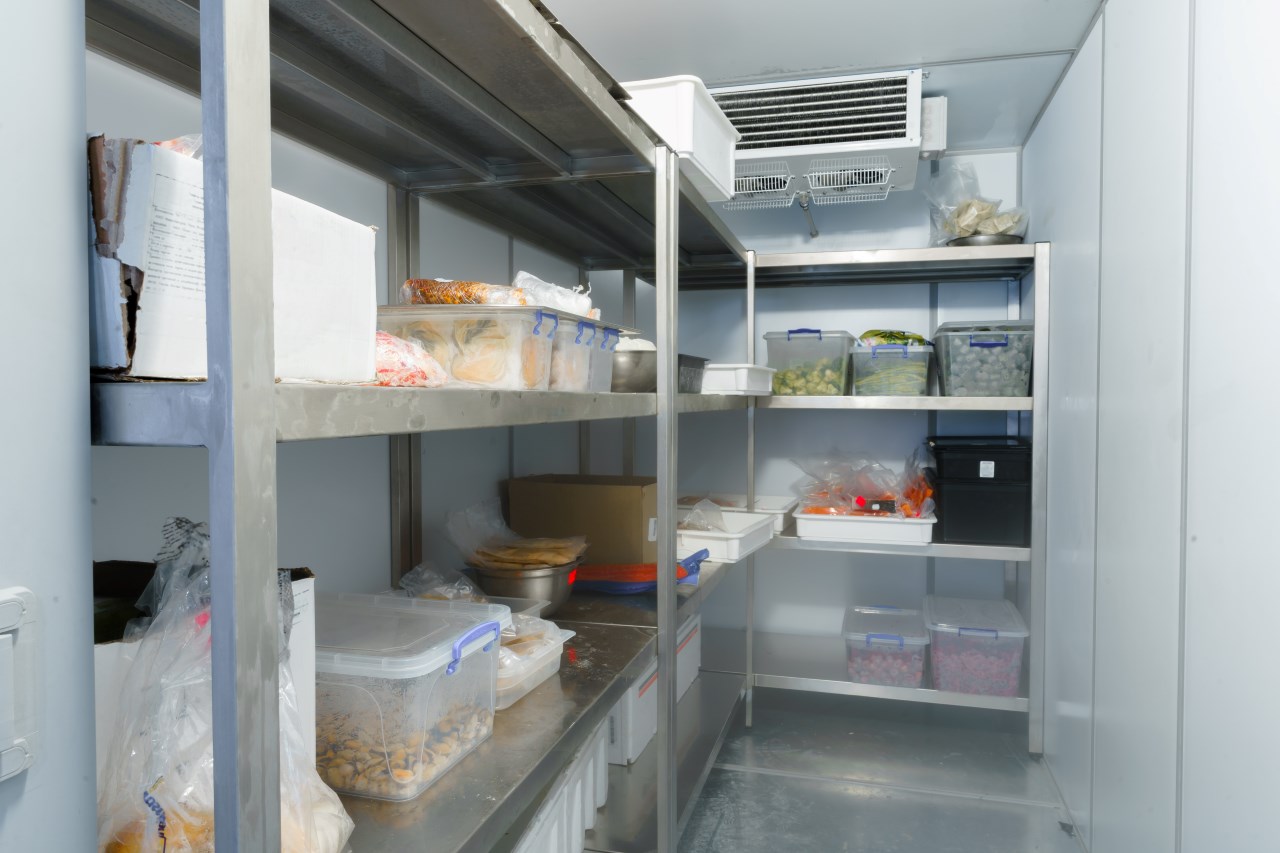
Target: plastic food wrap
{"type": "Point", "coordinates": [958, 208]}
{"type": "Point", "coordinates": [443, 291]}
{"type": "Point", "coordinates": [436, 584]}
{"type": "Point", "coordinates": [485, 541]}
{"type": "Point", "coordinates": [404, 363]}
{"type": "Point", "coordinates": [705, 515]}
{"type": "Point", "coordinates": [548, 295]}
{"type": "Point", "coordinates": [850, 485]}
{"type": "Point", "coordinates": [637, 578]}
{"type": "Point", "coordinates": [156, 792]}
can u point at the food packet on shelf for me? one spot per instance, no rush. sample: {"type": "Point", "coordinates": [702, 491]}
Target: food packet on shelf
{"type": "Point", "coordinates": [156, 791]}
{"type": "Point", "coordinates": [958, 209]}
{"type": "Point", "coordinates": [405, 364]}
{"type": "Point", "coordinates": [841, 484]}
{"type": "Point", "coordinates": [705, 515]}
{"type": "Point", "coordinates": [443, 291]}
{"type": "Point", "coordinates": [436, 584]}
{"type": "Point", "coordinates": [917, 488]}
{"type": "Point", "coordinates": [548, 295]}
{"type": "Point", "coordinates": [484, 540]}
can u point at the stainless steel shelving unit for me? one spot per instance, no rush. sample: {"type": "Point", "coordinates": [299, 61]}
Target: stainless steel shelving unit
{"type": "Point", "coordinates": [495, 111]}
{"type": "Point", "coordinates": [817, 664]}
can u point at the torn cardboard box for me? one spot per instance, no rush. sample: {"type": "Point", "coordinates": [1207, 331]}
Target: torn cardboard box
{"type": "Point", "coordinates": [147, 279]}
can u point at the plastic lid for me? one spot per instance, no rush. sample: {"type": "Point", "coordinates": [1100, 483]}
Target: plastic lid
{"type": "Point", "coordinates": [884, 626]}
{"type": "Point", "coordinates": [969, 328]}
{"type": "Point", "coordinates": [817, 334]}
{"type": "Point", "coordinates": [974, 617]}
{"type": "Point", "coordinates": [388, 637]}
{"type": "Point", "coordinates": [976, 442]}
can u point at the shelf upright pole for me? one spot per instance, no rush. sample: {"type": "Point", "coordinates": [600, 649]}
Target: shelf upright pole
{"type": "Point", "coordinates": [629, 424]}
{"type": "Point", "coordinates": [667, 201]}
{"type": "Point", "coordinates": [235, 87]}
{"type": "Point", "coordinates": [1039, 497]}
{"type": "Point", "coordinates": [750, 680]}
{"type": "Point", "coordinates": [405, 451]}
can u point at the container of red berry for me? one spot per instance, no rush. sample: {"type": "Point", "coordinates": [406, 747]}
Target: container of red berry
{"type": "Point", "coordinates": [977, 645]}
{"type": "Point", "coordinates": [886, 645]}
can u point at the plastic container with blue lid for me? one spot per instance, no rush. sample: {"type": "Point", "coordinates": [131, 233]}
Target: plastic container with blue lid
{"type": "Point", "coordinates": [404, 689]}
{"type": "Point", "coordinates": [977, 645]}
{"type": "Point", "coordinates": [886, 645]}
{"type": "Point", "coordinates": [809, 362]}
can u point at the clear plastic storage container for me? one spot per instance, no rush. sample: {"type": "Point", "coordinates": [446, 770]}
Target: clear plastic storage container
{"type": "Point", "coordinates": [571, 355]}
{"type": "Point", "coordinates": [886, 645]}
{"type": "Point", "coordinates": [481, 346]}
{"type": "Point", "coordinates": [402, 691]}
{"type": "Point", "coordinates": [977, 645]}
{"type": "Point", "coordinates": [530, 659]}
{"type": "Point", "coordinates": [891, 370]}
{"type": "Point", "coordinates": [809, 362]}
{"type": "Point", "coordinates": [606, 344]}
{"type": "Point", "coordinates": [985, 359]}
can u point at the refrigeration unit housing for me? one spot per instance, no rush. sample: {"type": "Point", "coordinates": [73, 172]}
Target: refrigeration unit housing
{"type": "Point", "coordinates": [837, 139]}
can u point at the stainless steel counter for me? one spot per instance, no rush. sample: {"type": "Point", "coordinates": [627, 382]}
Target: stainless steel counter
{"type": "Point", "coordinates": [477, 802]}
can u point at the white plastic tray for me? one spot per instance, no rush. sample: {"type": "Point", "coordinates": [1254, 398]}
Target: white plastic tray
{"type": "Point", "coordinates": [537, 670]}
{"type": "Point", "coordinates": [863, 528]}
{"type": "Point", "coordinates": [748, 532]}
{"type": "Point", "coordinates": [683, 113]}
{"type": "Point", "coordinates": [778, 506]}
{"type": "Point", "coordinates": [748, 380]}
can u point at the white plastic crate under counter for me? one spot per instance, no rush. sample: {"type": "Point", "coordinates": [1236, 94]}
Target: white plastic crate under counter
{"type": "Point", "coordinates": [778, 506]}
{"type": "Point", "coordinates": [872, 529]}
{"type": "Point", "coordinates": [746, 533]}
{"type": "Point", "coordinates": [683, 113]}
{"type": "Point", "coordinates": [747, 380]}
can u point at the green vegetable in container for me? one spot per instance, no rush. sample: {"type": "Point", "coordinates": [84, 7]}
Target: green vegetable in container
{"type": "Point", "coordinates": [823, 377]}
{"type": "Point", "coordinates": [878, 337]}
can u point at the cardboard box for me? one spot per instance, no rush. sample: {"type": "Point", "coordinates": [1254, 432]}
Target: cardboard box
{"type": "Point", "coordinates": [618, 515]}
{"type": "Point", "coordinates": [147, 299]}
{"type": "Point", "coordinates": [112, 659]}
{"type": "Point", "coordinates": [633, 722]}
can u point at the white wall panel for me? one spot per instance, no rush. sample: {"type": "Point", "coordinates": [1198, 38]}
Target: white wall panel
{"type": "Point", "coordinates": [1140, 423]}
{"type": "Point", "coordinates": [44, 456]}
{"type": "Point", "coordinates": [1061, 189]}
{"type": "Point", "coordinates": [1230, 746]}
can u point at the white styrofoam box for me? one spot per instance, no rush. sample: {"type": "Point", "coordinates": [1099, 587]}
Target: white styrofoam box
{"type": "Point", "coordinates": [633, 722]}
{"type": "Point", "coordinates": [748, 380]}
{"type": "Point", "coordinates": [747, 533]}
{"type": "Point", "coordinates": [570, 808]}
{"type": "Point", "coordinates": [683, 113]}
{"type": "Point", "coordinates": [779, 506]}
{"type": "Point", "coordinates": [865, 528]}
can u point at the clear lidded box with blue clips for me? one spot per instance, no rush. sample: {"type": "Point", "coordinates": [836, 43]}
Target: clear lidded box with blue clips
{"type": "Point", "coordinates": [809, 362]}
{"type": "Point", "coordinates": [985, 359]}
{"type": "Point", "coordinates": [886, 645]}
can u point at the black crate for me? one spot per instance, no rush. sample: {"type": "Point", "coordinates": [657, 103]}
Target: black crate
{"type": "Point", "coordinates": [988, 458]}
{"type": "Point", "coordinates": [983, 513]}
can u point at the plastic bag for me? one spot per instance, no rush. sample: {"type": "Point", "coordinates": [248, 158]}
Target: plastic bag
{"type": "Point", "coordinates": [428, 581]}
{"type": "Point", "coordinates": [156, 791]}
{"type": "Point", "coordinates": [484, 540]}
{"type": "Point", "coordinates": [548, 295]}
{"type": "Point", "coordinates": [443, 291]}
{"type": "Point", "coordinates": [638, 578]}
{"type": "Point", "coordinates": [705, 515]}
{"type": "Point", "coordinates": [189, 145]}
{"type": "Point", "coordinates": [842, 484]}
{"type": "Point", "coordinates": [405, 364]}
{"type": "Point", "coordinates": [917, 489]}
{"type": "Point", "coordinates": [958, 209]}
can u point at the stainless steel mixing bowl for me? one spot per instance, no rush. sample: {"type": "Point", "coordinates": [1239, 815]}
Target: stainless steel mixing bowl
{"type": "Point", "coordinates": [548, 583]}
{"type": "Point", "coordinates": [635, 372]}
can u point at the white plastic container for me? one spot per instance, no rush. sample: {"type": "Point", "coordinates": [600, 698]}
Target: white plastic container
{"type": "Point", "coordinates": [872, 529]}
{"type": "Point", "coordinates": [602, 350]}
{"type": "Point", "coordinates": [634, 720]}
{"type": "Point", "coordinates": [886, 645]}
{"type": "Point", "coordinates": [683, 113]}
{"type": "Point", "coordinates": [747, 380]}
{"type": "Point", "coordinates": [778, 506]}
{"type": "Point", "coordinates": [569, 810]}
{"type": "Point", "coordinates": [977, 645]}
{"type": "Point", "coordinates": [402, 692]}
{"type": "Point", "coordinates": [480, 346]}
{"type": "Point", "coordinates": [525, 672]}
{"type": "Point", "coordinates": [809, 362]}
{"type": "Point", "coordinates": [747, 533]}
{"type": "Point", "coordinates": [571, 355]}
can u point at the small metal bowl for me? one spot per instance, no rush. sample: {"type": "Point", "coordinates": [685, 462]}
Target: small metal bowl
{"type": "Point", "coordinates": [986, 240]}
{"type": "Point", "coordinates": [547, 583]}
{"type": "Point", "coordinates": [635, 372]}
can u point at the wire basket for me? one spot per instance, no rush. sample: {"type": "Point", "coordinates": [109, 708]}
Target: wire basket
{"type": "Point", "coordinates": [849, 180]}
{"type": "Point", "coordinates": [761, 186]}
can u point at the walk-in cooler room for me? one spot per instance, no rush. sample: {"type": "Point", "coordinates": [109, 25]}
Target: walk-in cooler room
{"type": "Point", "coordinates": [549, 426]}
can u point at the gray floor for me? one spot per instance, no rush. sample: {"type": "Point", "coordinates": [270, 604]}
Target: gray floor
{"type": "Point", "coordinates": [830, 773]}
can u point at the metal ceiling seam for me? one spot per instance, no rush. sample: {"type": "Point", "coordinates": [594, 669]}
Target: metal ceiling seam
{"type": "Point", "coordinates": [415, 52]}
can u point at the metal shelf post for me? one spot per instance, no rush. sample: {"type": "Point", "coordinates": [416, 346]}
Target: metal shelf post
{"type": "Point", "coordinates": [235, 81]}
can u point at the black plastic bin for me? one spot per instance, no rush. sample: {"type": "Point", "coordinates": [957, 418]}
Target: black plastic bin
{"type": "Point", "coordinates": [983, 490]}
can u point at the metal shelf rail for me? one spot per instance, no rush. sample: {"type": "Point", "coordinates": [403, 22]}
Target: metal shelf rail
{"type": "Point", "coordinates": [488, 103]}
{"type": "Point", "coordinates": [767, 658]}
